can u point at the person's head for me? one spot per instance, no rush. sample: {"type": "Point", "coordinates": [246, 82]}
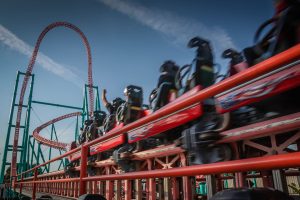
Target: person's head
{"type": "Point", "coordinates": [88, 122]}
{"type": "Point", "coordinates": [117, 102]}
{"type": "Point", "coordinates": [169, 66]}
{"type": "Point", "coordinates": [99, 117]}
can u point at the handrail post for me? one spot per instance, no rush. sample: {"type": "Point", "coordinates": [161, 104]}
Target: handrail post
{"type": "Point", "coordinates": [83, 169]}
{"type": "Point", "coordinates": [21, 184]}
{"type": "Point", "coordinates": [34, 184]}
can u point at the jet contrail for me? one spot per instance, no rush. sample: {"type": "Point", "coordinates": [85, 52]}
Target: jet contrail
{"type": "Point", "coordinates": [179, 29]}
{"type": "Point", "coordinates": [10, 40]}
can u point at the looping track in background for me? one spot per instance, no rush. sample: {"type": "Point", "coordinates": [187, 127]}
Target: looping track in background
{"type": "Point", "coordinates": [25, 83]}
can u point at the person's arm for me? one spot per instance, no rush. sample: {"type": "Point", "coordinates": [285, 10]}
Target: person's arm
{"type": "Point", "coordinates": [104, 100]}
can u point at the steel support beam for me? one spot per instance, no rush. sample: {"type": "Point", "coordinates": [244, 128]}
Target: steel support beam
{"type": "Point", "coordinates": [83, 171]}
{"type": "Point", "coordinates": [10, 125]}
{"type": "Point", "coordinates": [56, 105]}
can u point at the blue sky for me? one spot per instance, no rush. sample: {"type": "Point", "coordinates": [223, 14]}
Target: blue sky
{"type": "Point", "coordinates": [129, 39]}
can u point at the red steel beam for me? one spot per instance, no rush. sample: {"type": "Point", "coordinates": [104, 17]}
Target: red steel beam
{"type": "Point", "coordinates": [83, 170]}
{"type": "Point", "coordinates": [250, 164]}
{"type": "Point", "coordinates": [34, 185]}
{"type": "Point", "coordinates": [104, 163]}
{"type": "Point", "coordinates": [52, 160]}
{"type": "Point", "coordinates": [157, 152]}
{"type": "Point", "coordinates": [269, 127]}
{"type": "Point", "coordinates": [65, 180]}
{"type": "Point", "coordinates": [261, 68]}
{"type": "Point", "coordinates": [55, 173]}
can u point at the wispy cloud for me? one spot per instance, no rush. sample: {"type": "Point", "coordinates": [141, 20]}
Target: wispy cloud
{"type": "Point", "coordinates": [179, 29]}
{"type": "Point", "coordinates": [10, 40]}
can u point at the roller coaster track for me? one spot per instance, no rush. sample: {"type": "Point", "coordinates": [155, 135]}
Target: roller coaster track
{"type": "Point", "coordinates": [25, 83]}
{"type": "Point", "coordinates": [51, 143]}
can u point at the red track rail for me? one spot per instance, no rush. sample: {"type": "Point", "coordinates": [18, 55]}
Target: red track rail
{"type": "Point", "coordinates": [28, 73]}
{"type": "Point", "coordinates": [51, 143]}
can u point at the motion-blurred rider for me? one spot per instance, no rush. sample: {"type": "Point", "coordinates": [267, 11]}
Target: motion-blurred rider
{"type": "Point", "coordinates": [112, 108]}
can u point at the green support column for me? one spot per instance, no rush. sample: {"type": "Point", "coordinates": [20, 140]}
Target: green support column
{"type": "Point", "coordinates": [38, 154]}
{"type": "Point", "coordinates": [97, 99]}
{"type": "Point", "coordinates": [86, 102]}
{"type": "Point", "coordinates": [76, 129]}
{"type": "Point", "coordinates": [23, 153]}
{"type": "Point", "coordinates": [32, 152]}
{"type": "Point", "coordinates": [50, 149]}
{"type": "Point", "coordinates": [83, 111]}
{"type": "Point", "coordinates": [28, 151]}
{"type": "Point", "coordinates": [56, 138]}
{"type": "Point", "coordinates": [42, 157]}
{"type": "Point", "coordinates": [11, 114]}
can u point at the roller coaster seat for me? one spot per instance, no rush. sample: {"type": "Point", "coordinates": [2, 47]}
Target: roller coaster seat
{"type": "Point", "coordinates": [283, 34]}
{"type": "Point", "coordinates": [160, 96]}
{"type": "Point", "coordinates": [163, 95]}
{"type": "Point", "coordinates": [82, 137]}
{"type": "Point", "coordinates": [109, 123]}
{"type": "Point", "coordinates": [110, 119]}
{"type": "Point", "coordinates": [134, 95]}
{"type": "Point", "coordinates": [99, 117]}
{"type": "Point", "coordinates": [199, 138]}
{"type": "Point", "coordinates": [131, 109]}
{"type": "Point", "coordinates": [203, 74]}
{"type": "Point", "coordinates": [92, 132]}
{"type": "Point", "coordinates": [276, 93]}
{"type": "Point", "coordinates": [200, 72]}
{"type": "Point", "coordinates": [237, 62]}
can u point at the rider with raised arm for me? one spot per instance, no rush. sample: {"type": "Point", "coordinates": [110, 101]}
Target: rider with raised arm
{"type": "Point", "coordinates": [112, 108]}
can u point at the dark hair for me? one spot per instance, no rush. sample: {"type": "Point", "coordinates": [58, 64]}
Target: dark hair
{"type": "Point", "coordinates": [117, 102]}
{"type": "Point", "coordinates": [169, 66]}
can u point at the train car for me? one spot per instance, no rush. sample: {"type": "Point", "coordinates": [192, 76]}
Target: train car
{"type": "Point", "coordinates": [197, 128]}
